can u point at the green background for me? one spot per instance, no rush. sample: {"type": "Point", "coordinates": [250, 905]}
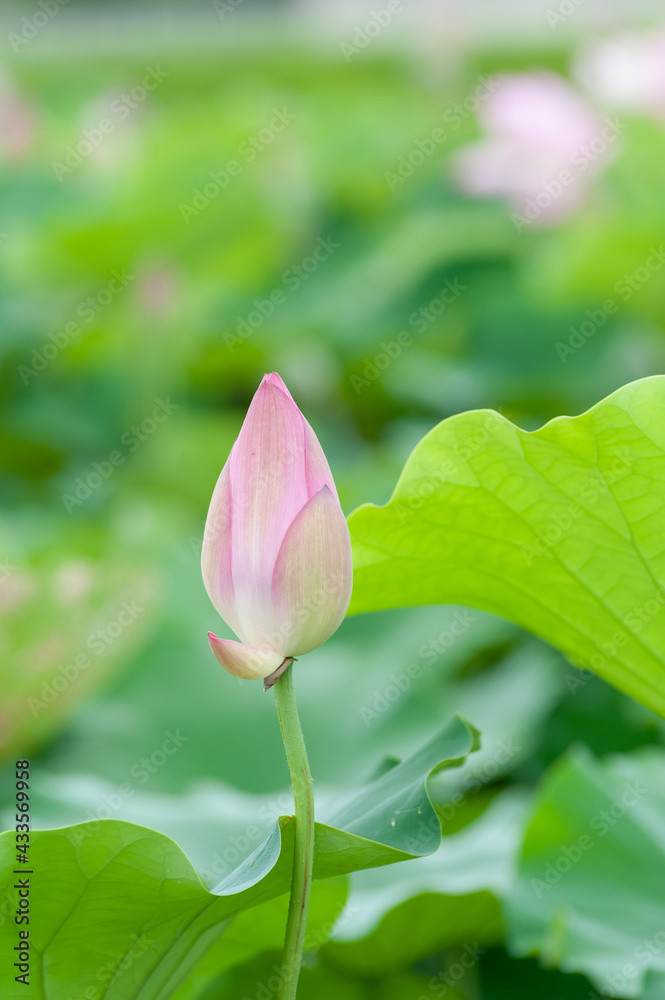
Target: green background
{"type": "Point", "coordinates": [103, 507]}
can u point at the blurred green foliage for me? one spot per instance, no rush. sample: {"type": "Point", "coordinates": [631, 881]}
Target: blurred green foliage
{"type": "Point", "coordinates": [104, 501]}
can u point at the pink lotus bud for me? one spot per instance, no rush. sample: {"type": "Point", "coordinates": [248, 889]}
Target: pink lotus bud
{"type": "Point", "coordinates": [276, 556]}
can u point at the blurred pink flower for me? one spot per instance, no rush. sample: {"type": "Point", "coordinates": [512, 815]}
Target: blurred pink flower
{"type": "Point", "coordinates": [157, 288]}
{"type": "Point", "coordinates": [276, 556]}
{"type": "Point", "coordinates": [627, 71]}
{"type": "Point", "coordinates": [17, 120]}
{"type": "Point", "coordinates": [538, 129]}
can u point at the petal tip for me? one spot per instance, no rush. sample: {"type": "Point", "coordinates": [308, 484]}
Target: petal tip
{"type": "Point", "coordinates": [241, 660]}
{"type": "Point", "coordinates": [273, 378]}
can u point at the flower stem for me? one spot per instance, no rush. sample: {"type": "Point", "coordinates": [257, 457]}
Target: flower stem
{"type": "Point", "coordinates": [303, 855]}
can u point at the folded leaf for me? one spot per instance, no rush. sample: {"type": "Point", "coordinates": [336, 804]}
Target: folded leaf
{"type": "Point", "coordinates": [120, 913]}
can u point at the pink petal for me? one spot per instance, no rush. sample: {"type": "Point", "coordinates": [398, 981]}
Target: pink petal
{"type": "Point", "coordinates": [277, 380]}
{"type": "Point", "coordinates": [216, 553]}
{"type": "Point", "coordinates": [317, 469]}
{"type": "Point", "coordinates": [249, 662]}
{"type": "Point", "coordinates": [540, 109]}
{"type": "Point", "coordinates": [316, 465]}
{"type": "Point", "coordinates": [313, 576]}
{"type": "Point", "coordinates": [274, 467]}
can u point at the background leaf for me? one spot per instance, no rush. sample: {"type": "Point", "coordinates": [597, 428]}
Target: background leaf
{"type": "Point", "coordinates": [591, 880]}
{"type": "Point", "coordinates": [560, 530]}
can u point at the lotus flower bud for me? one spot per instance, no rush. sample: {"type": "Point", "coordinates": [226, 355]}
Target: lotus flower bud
{"type": "Point", "coordinates": [276, 557]}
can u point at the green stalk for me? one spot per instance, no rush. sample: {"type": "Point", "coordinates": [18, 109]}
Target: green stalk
{"type": "Point", "coordinates": [303, 855]}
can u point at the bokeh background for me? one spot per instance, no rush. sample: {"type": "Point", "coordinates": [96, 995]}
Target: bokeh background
{"type": "Point", "coordinates": [407, 210]}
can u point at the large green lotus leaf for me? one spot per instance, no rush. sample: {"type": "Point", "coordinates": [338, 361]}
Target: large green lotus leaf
{"type": "Point", "coordinates": [495, 976]}
{"type": "Point", "coordinates": [153, 918]}
{"type": "Point", "coordinates": [259, 977]}
{"type": "Point", "coordinates": [256, 980]}
{"type": "Point", "coordinates": [561, 530]}
{"type": "Point", "coordinates": [590, 891]}
{"type": "Point", "coordinates": [261, 929]}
